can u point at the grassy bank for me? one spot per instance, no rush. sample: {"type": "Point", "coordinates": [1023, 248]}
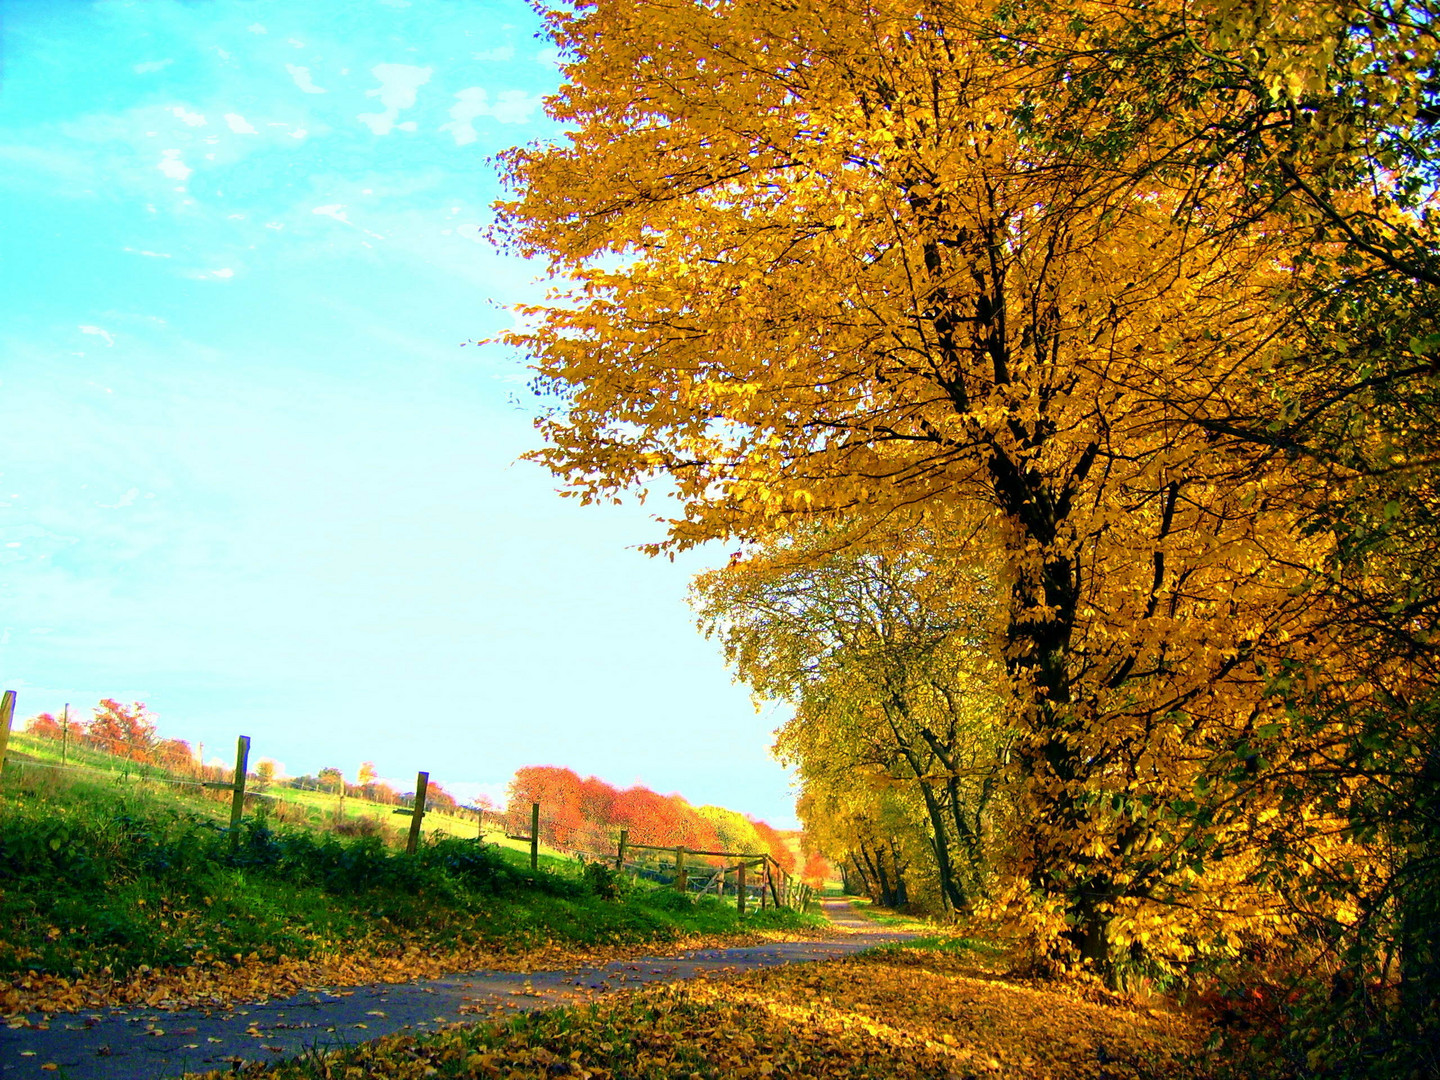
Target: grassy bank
{"type": "Point", "coordinates": [104, 881]}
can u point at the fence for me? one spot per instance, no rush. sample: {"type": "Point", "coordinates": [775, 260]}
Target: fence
{"type": "Point", "coordinates": [771, 881]}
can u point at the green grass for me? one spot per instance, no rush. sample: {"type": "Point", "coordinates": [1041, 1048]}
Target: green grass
{"type": "Point", "coordinates": [886, 917]}
{"type": "Point", "coordinates": [101, 873]}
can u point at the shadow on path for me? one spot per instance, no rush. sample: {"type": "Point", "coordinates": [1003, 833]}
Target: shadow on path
{"type": "Point", "coordinates": [149, 1044]}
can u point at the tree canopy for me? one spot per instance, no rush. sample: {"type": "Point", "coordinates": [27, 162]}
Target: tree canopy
{"type": "Point", "coordinates": [1110, 326]}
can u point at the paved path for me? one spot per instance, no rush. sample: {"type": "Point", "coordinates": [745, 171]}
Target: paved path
{"type": "Point", "coordinates": [150, 1044]}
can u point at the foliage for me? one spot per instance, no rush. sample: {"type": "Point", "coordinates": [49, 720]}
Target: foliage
{"type": "Point", "coordinates": [882, 656]}
{"type": "Point", "coordinates": [892, 1013]}
{"type": "Point", "coordinates": [1129, 309]}
{"type": "Point", "coordinates": [588, 814]}
{"type": "Point", "coordinates": [125, 731]}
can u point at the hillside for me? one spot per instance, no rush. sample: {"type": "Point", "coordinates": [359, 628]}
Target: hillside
{"type": "Point", "coordinates": [124, 882]}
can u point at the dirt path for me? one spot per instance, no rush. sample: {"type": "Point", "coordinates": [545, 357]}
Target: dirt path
{"type": "Point", "coordinates": [149, 1044]}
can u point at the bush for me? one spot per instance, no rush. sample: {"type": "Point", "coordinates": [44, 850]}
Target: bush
{"type": "Point", "coordinates": [602, 881]}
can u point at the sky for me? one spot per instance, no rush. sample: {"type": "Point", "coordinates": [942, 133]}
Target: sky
{"type": "Point", "coordinates": [256, 473]}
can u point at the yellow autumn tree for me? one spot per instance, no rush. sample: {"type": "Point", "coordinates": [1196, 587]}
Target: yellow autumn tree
{"type": "Point", "coordinates": [815, 266]}
{"type": "Point", "coordinates": [886, 661]}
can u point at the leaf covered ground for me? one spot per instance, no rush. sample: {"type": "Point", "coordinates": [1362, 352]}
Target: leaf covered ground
{"type": "Point", "coordinates": [899, 1013]}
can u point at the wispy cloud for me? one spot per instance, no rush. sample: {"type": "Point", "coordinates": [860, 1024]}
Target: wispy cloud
{"type": "Point", "coordinates": [173, 166]}
{"type": "Point", "coordinates": [301, 75]}
{"type": "Point", "coordinates": [336, 211]}
{"type": "Point", "coordinates": [510, 107]}
{"type": "Point", "coordinates": [239, 124]}
{"type": "Point", "coordinates": [399, 84]}
{"type": "Point", "coordinates": [100, 332]}
{"type": "Point", "coordinates": [150, 66]}
{"type": "Point", "coordinates": [185, 116]}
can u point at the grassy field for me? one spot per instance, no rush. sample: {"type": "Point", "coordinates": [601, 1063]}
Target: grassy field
{"type": "Point", "coordinates": [104, 876]}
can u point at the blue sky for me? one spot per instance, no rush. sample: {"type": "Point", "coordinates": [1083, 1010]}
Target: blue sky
{"type": "Point", "coordinates": [252, 474]}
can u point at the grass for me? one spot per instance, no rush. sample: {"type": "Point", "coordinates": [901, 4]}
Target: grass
{"type": "Point", "coordinates": [101, 876]}
{"type": "Point", "coordinates": [888, 918]}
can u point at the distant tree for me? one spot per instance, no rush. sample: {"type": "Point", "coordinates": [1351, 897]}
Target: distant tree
{"type": "Point", "coordinates": [367, 774]}
{"type": "Point", "coordinates": [265, 772]}
{"type": "Point", "coordinates": [817, 869]}
{"type": "Point", "coordinates": [45, 725]}
{"type": "Point", "coordinates": [174, 754]}
{"type": "Point", "coordinates": [437, 798]}
{"type": "Point", "coordinates": [125, 731]}
{"type": "Point", "coordinates": [332, 778]}
{"type": "Point", "coordinates": [778, 848]}
{"type": "Point", "coordinates": [558, 793]}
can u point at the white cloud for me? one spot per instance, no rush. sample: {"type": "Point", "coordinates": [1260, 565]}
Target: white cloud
{"type": "Point", "coordinates": [171, 166]}
{"type": "Point", "coordinates": [296, 42]}
{"type": "Point", "coordinates": [224, 272]}
{"type": "Point", "coordinates": [301, 75]}
{"type": "Point", "coordinates": [337, 211]}
{"type": "Point", "coordinates": [299, 133]}
{"type": "Point", "coordinates": [239, 124]}
{"type": "Point", "coordinates": [151, 65]}
{"type": "Point", "coordinates": [510, 107]}
{"type": "Point", "coordinates": [125, 500]}
{"type": "Point", "coordinates": [504, 52]}
{"type": "Point", "coordinates": [257, 28]}
{"type": "Point", "coordinates": [151, 254]}
{"type": "Point", "coordinates": [96, 331]}
{"type": "Point", "coordinates": [548, 57]}
{"type": "Point", "coordinates": [398, 86]}
{"type": "Point", "coordinates": [192, 119]}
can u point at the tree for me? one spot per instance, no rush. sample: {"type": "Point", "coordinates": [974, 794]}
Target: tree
{"type": "Point", "coordinates": [823, 271]}
{"type": "Point", "coordinates": [367, 774]}
{"type": "Point", "coordinates": [332, 778]}
{"type": "Point", "coordinates": [125, 731]}
{"type": "Point", "coordinates": [884, 658]}
{"type": "Point", "coordinates": [264, 773]}
{"type": "Point", "coordinates": [175, 754]}
{"type": "Point", "coordinates": [45, 725]}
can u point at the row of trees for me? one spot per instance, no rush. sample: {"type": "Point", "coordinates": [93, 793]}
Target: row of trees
{"type": "Point", "coordinates": [588, 814]}
{"type": "Point", "coordinates": [130, 732]}
{"type": "Point", "coordinates": [126, 731]}
{"type": "Point", "coordinates": [1066, 372]}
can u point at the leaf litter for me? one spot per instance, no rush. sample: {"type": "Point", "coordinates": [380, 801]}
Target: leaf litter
{"type": "Point", "coordinates": [893, 1013]}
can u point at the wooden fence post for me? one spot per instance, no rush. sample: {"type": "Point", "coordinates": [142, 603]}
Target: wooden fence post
{"type": "Point", "coordinates": [534, 836]}
{"type": "Point", "coordinates": [620, 855]}
{"type": "Point", "coordinates": [740, 890]}
{"type": "Point", "coordinates": [7, 717]}
{"type": "Point", "coordinates": [770, 877]}
{"type": "Point", "coordinates": [422, 781]}
{"type": "Point", "coordinates": [65, 735]}
{"type": "Point", "coordinates": [682, 882]}
{"type": "Point", "coordinates": [237, 800]}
